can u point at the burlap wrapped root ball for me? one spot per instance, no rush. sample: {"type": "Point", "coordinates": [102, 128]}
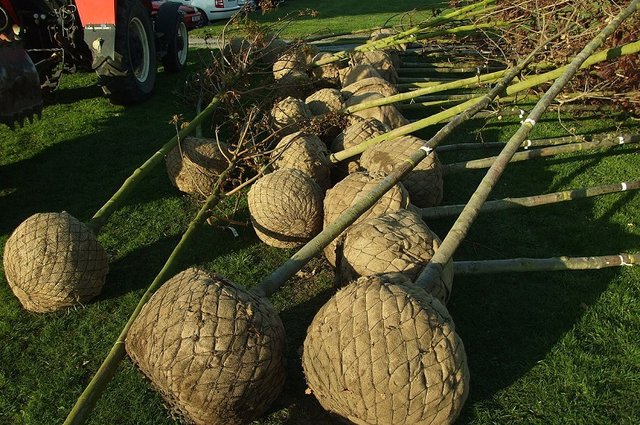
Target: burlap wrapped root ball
{"type": "Point", "coordinates": [388, 114]}
{"type": "Point", "coordinates": [380, 60]}
{"type": "Point", "coordinates": [289, 115]}
{"type": "Point", "coordinates": [424, 182]}
{"type": "Point", "coordinates": [304, 152]}
{"type": "Point", "coordinates": [195, 164]}
{"type": "Point", "coordinates": [324, 101]}
{"type": "Point", "coordinates": [286, 208]}
{"type": "Point", "coordinates": [212, 349]}
{"type": "Point", "coordinates": [395, 242]}
{"type": "Point", "coordinates": [368, 85]}
{"type": "Point", "coordinates": [356, 73]}
{"type": "Point", "coordinates": [329, 72]}
{"type": "Point", "coordinates": [383, 351]}
{"type": "Point", "coordinates": [393, 51]}
{"type": "Point", "coordinates": [53, 261]}
{"type": "Point", "coordinates": [348, 192]}
{"type": "Point", "coordinates": [356, 133]}
{"type": "Point", "coordinates": [296, 58]}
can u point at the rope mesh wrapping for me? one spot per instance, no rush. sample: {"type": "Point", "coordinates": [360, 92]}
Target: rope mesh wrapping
{"type": "Point", "coordinates": [424, 182]}
{"type": "Point", "coordinates": [330, 71]}
{"type": "Point", "coordinates": [289, 113]}
{"type": "Point", "coordinates": [387, 114]}
{"type": "Point", "coordinates": [380, 60]}
{"type": "Point", "coordinates": [212, 349]}
{"type": "Point", "coordinates": [355, 73]}
{"type": "Point", "coordinates": [383, 351]}
{"type": "Point", "coordinates": [195, 164]}
{"type": "Point", "coordinates": [293, 60]}
{"type": "Point", "coordinates": [395, 242]}
{"type": "Point", "coordinates": [368, 85]}
{"type": "Point", "coordinates": [393, 51]}
{"type": "Point", "coordinates": [286, 208]}
{"type": "Point", "coordinates": [53, 261]}
{"type": "Point", "coordinates": [349, 191]}
{"type": "Point", "coordinates": [356, 133]}
{"type": "Point", "coordinates": [324, 101]}
{"type": "Point", "coordinates": [307, 153]}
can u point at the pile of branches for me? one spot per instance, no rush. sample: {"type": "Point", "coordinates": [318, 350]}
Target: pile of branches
{"type": "Point", "coordinates": [570, 24]}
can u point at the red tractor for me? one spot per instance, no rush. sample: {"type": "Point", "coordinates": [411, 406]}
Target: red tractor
{"type": "Point", "coordinates": [121, 40]}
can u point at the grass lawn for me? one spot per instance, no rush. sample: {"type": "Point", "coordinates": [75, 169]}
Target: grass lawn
{"type": "Point", "coordinates": [542, 348]}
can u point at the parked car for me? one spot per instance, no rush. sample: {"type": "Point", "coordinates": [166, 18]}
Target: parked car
{"type": "Point", "coordinates": [191, 16]}
{"type": "Point", "coordinates": [217, 9]}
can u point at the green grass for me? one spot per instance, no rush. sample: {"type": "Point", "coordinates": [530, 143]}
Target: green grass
{"type": "Point", "coordinates": [542, 348]}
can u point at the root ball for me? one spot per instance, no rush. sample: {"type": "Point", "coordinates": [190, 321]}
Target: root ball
{"type": "Point", "coordinates": [383, 351]}
{"type": "Point", "coordinates": [349, 191]}
{"type": "Point", "coordinates": [286, 208]}
{"type": "Point", "coordinates": [307, 153]}
{"type": "Point", "coordinates": [388, 114]}
{"type": "Point", "coordinates": [289, 113]}
{"type": "Point", "coordinates": [353, 135]}
{"type": "Point", "coordinates": [381, 61]}
{"type": "Point", "coordinates": [195, 164]}
{"type": "Point", "coordinates": [212, 349]}
{"type": "Point", "coordinates": [356, 73]}
{"type": "Point", "coordinates": [369, 85]}
{"type": "Point", "coordinates": [424, 183]}
{"type": "Point", "coordinates": [53, 261]}
{"type": "Point", "coordinates": [324, 101]}
{"type": "Point", "coordinates": [395, 242]}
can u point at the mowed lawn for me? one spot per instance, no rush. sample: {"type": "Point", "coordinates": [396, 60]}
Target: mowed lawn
{"type": "Point", "coordinates": [542, 347]}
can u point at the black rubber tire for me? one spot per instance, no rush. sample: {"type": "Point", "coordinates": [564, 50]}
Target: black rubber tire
{"type": "Point", "coordinates": [131, 76]}
{"type": "Point", "coordinates": [177, 51]}
{"type": "Point", "coordinates": [205, 18]}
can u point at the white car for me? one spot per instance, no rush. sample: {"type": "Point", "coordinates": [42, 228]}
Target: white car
{"type": "Point", "coordinates": [217, 9]}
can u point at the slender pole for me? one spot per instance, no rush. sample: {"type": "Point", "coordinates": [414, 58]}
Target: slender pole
{"type": "Point", "coordinates": [476, 164]}
{"type": "Point", "coordinates": [544, 264]}
{"type": "Point", "coordinates": [432, 271]}
{"type": "Point", "coordinates": [532, 201]}
{"type": "Point", "coordinates": [87, 400]}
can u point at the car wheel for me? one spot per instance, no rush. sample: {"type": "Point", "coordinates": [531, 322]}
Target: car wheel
{"type": "Point", "coordinates": [131, 76]}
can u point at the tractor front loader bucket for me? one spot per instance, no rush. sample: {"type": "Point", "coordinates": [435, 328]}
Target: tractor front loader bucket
{"type": "Point", "coordinates": [20, 94]}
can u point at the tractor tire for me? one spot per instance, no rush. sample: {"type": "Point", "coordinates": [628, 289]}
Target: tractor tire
{"type": "Point", "coordinates": [131, 76]}
{"type": "Point", "coordinates": [178, 49]}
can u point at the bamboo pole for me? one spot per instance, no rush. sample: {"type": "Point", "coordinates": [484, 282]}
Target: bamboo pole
{"type": "Point", "coordinates": [532, 201]}
{"type": "Point", "coordinates": [277, 278]}
{"type": "Point", "coordinates": [528, 83]}
{"type": "Point", "coordinates": [476, 164]}
{"type": "Point", "coordinates": [544, 264]}
{"type": "Point", "coordinates": [432, 271]}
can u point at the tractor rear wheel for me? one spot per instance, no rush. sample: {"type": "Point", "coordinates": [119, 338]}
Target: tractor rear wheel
{"type": "Point", "coordinates": [178, 48]}
{"type": "Point", "coordinates": [131, 76]}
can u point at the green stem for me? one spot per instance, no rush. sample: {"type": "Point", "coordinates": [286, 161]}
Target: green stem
{"type": "Point", "coordinates": [544, 264]}
{"type": "Point", "coordinates": [532, 201]}
{"type": "Point", "coordinates": [431, 273]}
{"type": "Point", "coordinates": [100, 218]}
{"type": "Point", "coordinates": [475, 164]}
{"type": "Point", "coordinates": [87, 400]}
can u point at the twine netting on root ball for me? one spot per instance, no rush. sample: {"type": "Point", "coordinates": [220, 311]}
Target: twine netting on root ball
{"type": "Point", "coordinates": [304, 152]}
{"type": "Point", "coordinates": [395, 242]}
{"type": "Point", "coordinates": [289, 114]}
{"type": "Point", "coordinates": [286, 208]}
{"type": "Point", "coordinates": [353, 135]}
{"type": "Point", "coordinates": [356, 73]}
{"type": "Point", "coordinates": [349, 191]}
{"type": "Point", "coordinates": [195, 164]}
{"type": "Point", "coordinates": [368, 85]}
{"type": "Point", "coordinates": [53, 261]}
{"type": "Point", "coordinates": [329, 72]}
{"type": "Point", "coordinates": [424, 182]}
{"type": "Point", "coordinates": [212, 349]}
{"type": "Point", "coordinates": [381, 61]}
{"type": "Point", "coordinates": [383, 351]}
{"type": "Point", "coordinates": [324, 101]}
{"type": "Point", "coordinates": [387, 114]}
